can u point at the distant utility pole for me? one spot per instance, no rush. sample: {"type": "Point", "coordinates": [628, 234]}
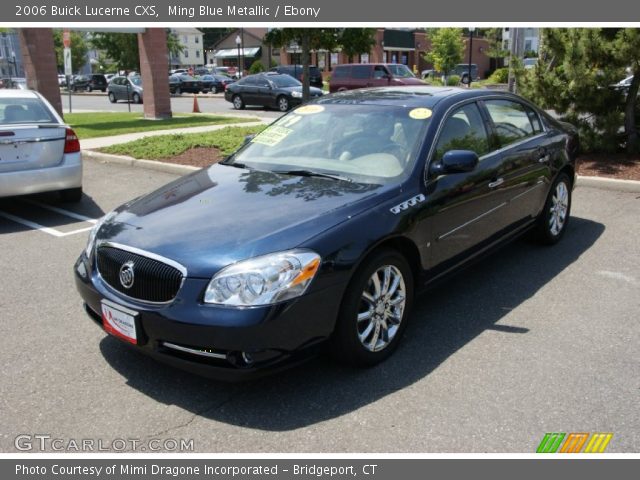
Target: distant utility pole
{"type": "Point", "coordinates": [516, 51]}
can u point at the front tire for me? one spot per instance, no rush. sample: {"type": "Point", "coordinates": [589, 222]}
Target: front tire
{"type": "Point", "coordinates": [554, 217]}
{"type": "Point", "coordinates": [374, 311]}
{"type": "Point", "coordinates": [238, 103]}
{"type": "Point", "coordinates": [136, 98]}
{"type": "Point", "coordinates": [178, 91]}
{"type": "Point", "coordinates": [283, 104]}
{"type": "Point", "coordinates": [112, 97]}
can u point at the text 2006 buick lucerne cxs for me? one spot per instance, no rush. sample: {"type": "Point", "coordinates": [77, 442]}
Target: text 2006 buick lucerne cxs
{"type": "Point", "coordinates": [318, 230]}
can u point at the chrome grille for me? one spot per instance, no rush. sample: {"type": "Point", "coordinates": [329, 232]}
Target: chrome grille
{"type": "Point", "coordinates": [154, 281]}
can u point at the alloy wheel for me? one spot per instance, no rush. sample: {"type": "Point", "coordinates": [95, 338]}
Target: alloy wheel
{"type": "Point", "coordinates": [559, 208]}
{"type": "Point", "coordinates": [381, 309]}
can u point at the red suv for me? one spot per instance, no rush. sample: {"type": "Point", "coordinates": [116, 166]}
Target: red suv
{"type": "Point", "coordinates": [356, 75]}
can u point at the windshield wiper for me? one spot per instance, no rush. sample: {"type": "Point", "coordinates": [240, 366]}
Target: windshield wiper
{"type": "Point", "coordinates": [312, 173]}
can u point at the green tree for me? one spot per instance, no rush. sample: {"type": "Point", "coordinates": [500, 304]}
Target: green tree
{"type": "Point", "coordinates": [574, 74]}
{"type": "Point", "coordinates": [122, 48]}
{"type": "Point", "coordinates": [355, 41]}
{"type": "Point", "coordinates": [79, 49]}
{"type": "Point", "coordinates": [447, 48]}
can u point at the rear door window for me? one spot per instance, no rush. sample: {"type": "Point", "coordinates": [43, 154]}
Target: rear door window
{"type": "Point", "coordinates": [512, 121]}
{"type": "Point", "coordinates": [340, 72]}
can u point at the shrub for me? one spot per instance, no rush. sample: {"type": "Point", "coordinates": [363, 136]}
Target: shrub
{"type": "Point", "coordinates": [453, 80]}
{"type": "Point", "coordinates": [256, 67]}
{"type": "Point", "coordinates": [500, 75]}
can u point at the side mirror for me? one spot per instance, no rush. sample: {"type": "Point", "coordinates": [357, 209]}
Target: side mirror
{"type": "Point", "coordinates": [247, 139]}
{"type": "Point", "coordinates": [455, 161]}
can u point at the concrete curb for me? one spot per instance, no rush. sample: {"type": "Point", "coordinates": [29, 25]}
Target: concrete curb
{"type": "Point", "coordinates": [609, 184]}
{"type": "Point", "coordinates": [632, 186]}
{"type": "Point", "coordinates": [172, 168]}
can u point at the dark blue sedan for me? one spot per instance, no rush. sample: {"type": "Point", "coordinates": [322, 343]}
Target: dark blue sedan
{"type": "Point", "coordinates": [318, 231]}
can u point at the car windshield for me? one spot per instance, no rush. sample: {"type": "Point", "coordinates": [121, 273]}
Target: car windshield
{"type": "Point", "coordinates": [372, 144]}
{"type": "Point", "coordinates": [136, 80]}
{"type": "Point", "coordinates": [284, 81]}
{"type": "Point", "coordinates": [400, 71]}
{"type": "Point", "coordinates": [24, 110]}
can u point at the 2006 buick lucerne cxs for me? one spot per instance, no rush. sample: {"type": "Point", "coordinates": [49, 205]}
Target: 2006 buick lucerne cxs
{"type": "Point", "coordinates": [318, 230]}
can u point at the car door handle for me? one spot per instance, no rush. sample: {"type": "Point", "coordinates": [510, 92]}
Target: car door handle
{"type": "Point", "coordinates": [544, 158]}
{"type": "Point", "coordinates": [496, 183]}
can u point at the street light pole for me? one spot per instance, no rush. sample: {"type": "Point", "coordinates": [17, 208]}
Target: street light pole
{"type": "Point", "coordinates": [238, 42]}
{"type": "Point", "coordinates": [471, 30]}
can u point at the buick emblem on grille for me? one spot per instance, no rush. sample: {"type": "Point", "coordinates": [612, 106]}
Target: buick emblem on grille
{"type": "Point", "coordinates": [127, 275]}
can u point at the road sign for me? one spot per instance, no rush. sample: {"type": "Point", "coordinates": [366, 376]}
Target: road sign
{"type": "Point", "coordinates": [67, 61]}
{"type": "Point", "coordinates": [66, 38]}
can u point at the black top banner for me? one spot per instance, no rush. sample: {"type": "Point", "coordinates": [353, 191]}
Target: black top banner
{"type": "Point", "coordinates": [317, 11]}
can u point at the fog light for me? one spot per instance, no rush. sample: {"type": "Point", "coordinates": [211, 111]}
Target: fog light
{"type": "Point", "coordinates": [247, 358]}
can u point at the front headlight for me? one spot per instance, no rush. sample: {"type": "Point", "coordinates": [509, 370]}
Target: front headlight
{"type": "Point", "coordinates": [264, 280]}
{"type": "Point", "coordinates": [296, 94]}
{"type": "Point", "coordinates": [94, 231]}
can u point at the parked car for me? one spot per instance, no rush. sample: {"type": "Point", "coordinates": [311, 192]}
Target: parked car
{"type": "Point", "coordinates": [38, 151]}
{"type": "Point", "coordinates": [351, 76]}
{"type": "Point", "coordinates": [178, 71]}
{"type": "Point", "coordinates": [461, 70]}
{"type": "Point", "coordinates": [125, 88]}
{"type": "Point", "coordinates": [184, 83]}
{"type": "Point", "coordinates": [270, 90]}
{"type": "Point", "coordinates": [88, 83]}
{"type": "Point", "coordinates": [321, 228]}
{"type": "Point", "coordinates": [109, 76]}
{"type": "Point", "coordinates": [62, 80]}
{"type": "Point", "coordinates": [18, 83]}
{"type": "Point", "coordinates": [296, 71]}
{"type": "Point", "coordinates": [529, 63]}
{"type": "Point", "coordinates": [215, 83]}
{"type": "Point", "coordinates": [623, 85]}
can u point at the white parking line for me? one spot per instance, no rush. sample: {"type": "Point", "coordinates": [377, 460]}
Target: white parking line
{"type": "Point", "coordinates": [62, 211]}
{"type": "Point", "coordinates": [49, 230]}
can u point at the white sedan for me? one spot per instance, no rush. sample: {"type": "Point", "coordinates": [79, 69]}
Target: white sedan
{"type": "Point", "coordinates": [38, 151]}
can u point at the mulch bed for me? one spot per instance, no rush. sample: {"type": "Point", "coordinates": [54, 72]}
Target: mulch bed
{"type": "Point", "coordinates": [614, 165]}
{"type": "Point", "coordinates": [618, 165]}
{"type": "Point", "coordinates": [196, 157]}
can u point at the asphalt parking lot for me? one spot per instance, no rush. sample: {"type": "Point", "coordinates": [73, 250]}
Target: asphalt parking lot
{"type": "Point", "coordinates": [528, 341]}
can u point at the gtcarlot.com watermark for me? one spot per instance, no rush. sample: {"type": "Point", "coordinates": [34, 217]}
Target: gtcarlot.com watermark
{"type": "Point", "coordinates": [46, 443]}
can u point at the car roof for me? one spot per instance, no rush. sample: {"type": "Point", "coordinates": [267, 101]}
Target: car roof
{"type": "Point", "coordinates": [410, 96]}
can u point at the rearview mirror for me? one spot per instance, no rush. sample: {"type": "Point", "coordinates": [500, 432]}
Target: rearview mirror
{"type": "Point", "coordinates": [247, 139]}
{"type": "Point", "coordinates": [455, 161]}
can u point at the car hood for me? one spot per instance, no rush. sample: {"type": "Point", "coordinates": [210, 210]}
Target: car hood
{"type": "Point", "coordinates": [222, 214]}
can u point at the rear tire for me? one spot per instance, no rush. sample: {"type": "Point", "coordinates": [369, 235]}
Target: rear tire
{"type": "Point", "coordinates": [178, 91]}
{"type": "Point", "coordinates": [71, 195]}
{"type": "Point", "coordinates": [552, 221]}
{"type": "Point", "coordinates": [374, 311]}
{"type": "Point", "coordinates": [136, 98]}
{"type": "Point", "coordinates": [238, 103]}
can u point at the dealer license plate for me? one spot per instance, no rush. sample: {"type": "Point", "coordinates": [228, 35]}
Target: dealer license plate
{"type": "Point", "coordinates": [119, 321]}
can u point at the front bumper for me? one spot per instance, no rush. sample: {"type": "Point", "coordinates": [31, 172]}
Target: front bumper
{"type": "Point", "coordinates": [214, 341]}
{"type": "Point", "coordinates": [68, 174]}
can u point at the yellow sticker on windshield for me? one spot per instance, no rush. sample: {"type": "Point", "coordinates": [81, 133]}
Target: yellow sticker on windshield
{"type": "Point", "coordinates": [272, 135]}
{"type": "Point", "coordinates": [309, 109]}
{"type": "Point", "coordinates": [420, 113]}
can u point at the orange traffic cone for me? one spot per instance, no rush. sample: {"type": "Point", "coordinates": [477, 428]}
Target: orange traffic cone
{"type": "Point", "coordinates": [196, 107]}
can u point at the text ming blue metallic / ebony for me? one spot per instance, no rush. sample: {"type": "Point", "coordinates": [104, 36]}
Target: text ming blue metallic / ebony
{"type": "Point", "coordinates": [318, 230]}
